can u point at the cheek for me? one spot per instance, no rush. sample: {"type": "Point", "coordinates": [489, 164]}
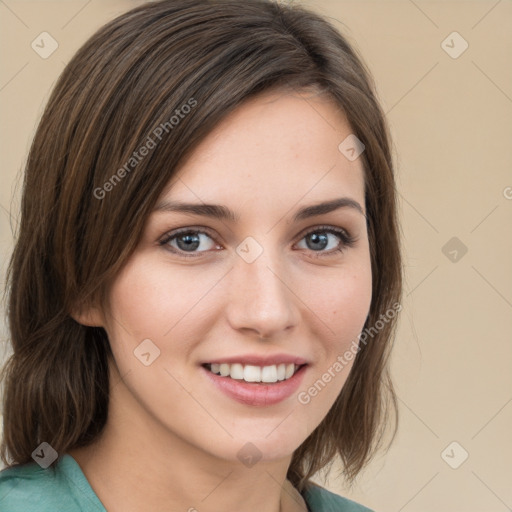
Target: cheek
{"type": "Point", "coordinates": [172, 308]}
{"type": "Point", "coordinates": [149, 303]}
{"type": "Point", "coordinates": [343, 304]}
{"type": "Point", "coordinates": [351, 304]}
{"type": "Point", "coordinates": [341, 312]}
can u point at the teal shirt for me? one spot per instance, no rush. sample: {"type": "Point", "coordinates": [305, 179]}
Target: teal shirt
{"type": "Point", "coordinates": [29, 488]}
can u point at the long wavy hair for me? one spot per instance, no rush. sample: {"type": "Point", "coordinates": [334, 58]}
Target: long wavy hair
{"type": "Point", "coordinates": [130, 77]}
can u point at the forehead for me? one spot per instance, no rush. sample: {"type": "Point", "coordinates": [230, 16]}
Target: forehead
{"type": "Point", "coordinates": [278, 146]}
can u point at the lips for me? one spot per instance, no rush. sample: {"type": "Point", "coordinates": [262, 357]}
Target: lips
{"type": "Point", "coordinates": [256, 380]}
{"type": "Point", "coordinates": [260, 360]}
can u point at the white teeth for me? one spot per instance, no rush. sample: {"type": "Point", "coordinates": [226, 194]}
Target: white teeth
{"type": "Point", "coordinates": [290, 369]}
{"type": "Point", "coordinates": [252, 373]}
{"type": "Point", "coordinates": [269, 374]}
{"type": "Point", "coordinates": [236, 371]}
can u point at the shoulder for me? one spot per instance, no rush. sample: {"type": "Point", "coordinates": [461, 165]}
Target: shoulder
{"type": "Point", "coordinates": [322, 500]}
{"type": "Point", "coordinates": [30, 488]}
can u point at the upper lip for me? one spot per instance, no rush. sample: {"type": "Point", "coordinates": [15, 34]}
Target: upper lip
{"type": "Point", "coordinates": [259, 360]}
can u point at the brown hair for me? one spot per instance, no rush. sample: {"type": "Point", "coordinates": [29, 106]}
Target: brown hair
{"type": "Point", "coordinates": [82, 216]}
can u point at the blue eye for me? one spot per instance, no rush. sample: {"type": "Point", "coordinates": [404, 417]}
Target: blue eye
{"type": "Point", "coordinates": [186, 241]}
{"type": "Point", "coordinates": [319, 237]}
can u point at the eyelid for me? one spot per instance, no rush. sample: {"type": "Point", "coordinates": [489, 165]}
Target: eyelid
{"type": "Point", "coordinates": [166, 238]}
{"type": "Point", "coordinates": [347, 240]}
{"type": "Point", "coordinates": [325, 227]}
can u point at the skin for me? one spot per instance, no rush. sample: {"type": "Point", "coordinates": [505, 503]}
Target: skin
{"type": "Point", "coordinates": [171, 439]}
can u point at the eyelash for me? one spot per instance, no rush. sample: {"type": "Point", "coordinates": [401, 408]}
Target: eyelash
{"type": "Point", "coordinates": [347, 240]}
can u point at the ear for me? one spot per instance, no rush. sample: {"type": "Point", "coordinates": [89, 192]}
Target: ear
{"type": "Point", "coordinates": [88, 315]}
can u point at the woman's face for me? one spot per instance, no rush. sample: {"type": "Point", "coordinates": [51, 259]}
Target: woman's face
{"type": "Point", "coordinates": [260, 295]}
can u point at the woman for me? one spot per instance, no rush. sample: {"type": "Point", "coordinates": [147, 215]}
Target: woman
{"type": "Point", "coordinates": [204, 288]}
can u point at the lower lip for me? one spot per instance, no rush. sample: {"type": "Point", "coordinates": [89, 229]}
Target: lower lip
{"type": "Point", "coordinates": [257, 394]}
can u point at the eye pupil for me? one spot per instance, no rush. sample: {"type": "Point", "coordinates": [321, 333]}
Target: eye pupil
{"type": "Point", "coordinates": [316, 238]}
{"type": "Point", "coordinates": [191, 241]}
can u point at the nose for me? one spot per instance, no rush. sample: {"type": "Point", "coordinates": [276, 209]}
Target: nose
{"type": "Point", "coordinates": [261, 299]}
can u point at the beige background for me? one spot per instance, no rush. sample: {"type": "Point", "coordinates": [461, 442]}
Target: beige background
{"type": "Point", "coordinates": [451, 120]}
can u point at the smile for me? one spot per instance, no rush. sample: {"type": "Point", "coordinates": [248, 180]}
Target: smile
{"type": "Point", "coordinates": [254, 385]}
{"type": "Point", "coordinates": [252, 373]}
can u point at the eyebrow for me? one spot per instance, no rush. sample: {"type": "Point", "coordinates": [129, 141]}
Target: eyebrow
{"type": "Point", "coordinates": [224, 213]}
